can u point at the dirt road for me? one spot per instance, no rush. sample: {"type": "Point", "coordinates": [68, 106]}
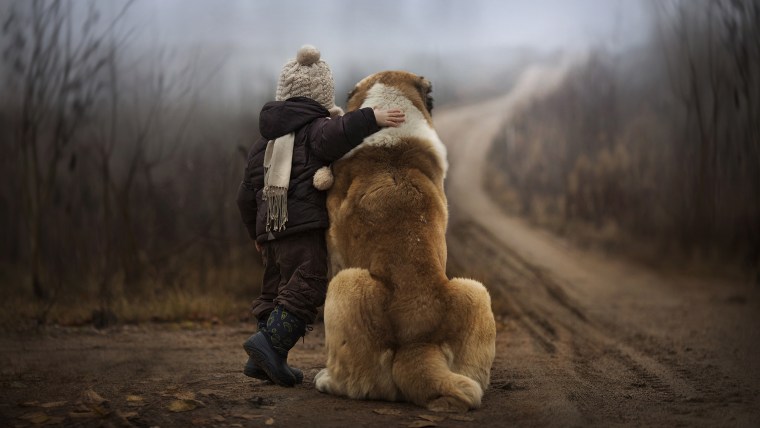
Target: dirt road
{"type": "Point", "coordinates": [589, 339]}
{"type": "Point", "coordinates": [583, 339]}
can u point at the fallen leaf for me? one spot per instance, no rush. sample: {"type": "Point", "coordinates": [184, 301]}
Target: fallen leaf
{"type": "Point", "coordinates": [461, 418]}
{"type": "Point", "coordinates": [77, 414]}
{"type": "Point", "coordinates": [185, 395]}
{"type": "Point", "coordinates": [129, 415]}
{"type": "Point", "coordinates": [184, 405]}
{"type": "Point", "coordinates": [55, 420]}
{"type": "Point", "coordinates": [90, 396]}
{"type": "Point", "coordinates": [256, 401]}
{"type": "Point", "coordinates": [248, 416]}
{"type": "Point", "coordinates": [218, 418]}
{"type": "Point", "coordinates": [432, 418]}
{"type": "Point", "coordinates": [36, 418]}
{"type": "Point", "coordinates": [269, 421]}
{"type": "Point", "coordinates": [135, 400]}
{"type": "Point", "coordinates": [53, 404]}
{"type": "Point", "coordinates": [394, 412]}
{"type": "Point", "coordinates": [29, 404]}
{"type": "Point", "coordinates": [170, 390]}
{"type": "Point", "coordinates": [208, 392]}
{"type": "Point", "coordinates": [422, 423]}
{"type": "Point", "coordinates": [509, 386]}
{"type": "Point", "coordinates": [17, 385]}
{"type": "Point", "coordinates": [100, 410]}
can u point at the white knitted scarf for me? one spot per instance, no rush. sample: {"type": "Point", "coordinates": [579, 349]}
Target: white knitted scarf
{"type": "Point", "coordinates": [278, 160]}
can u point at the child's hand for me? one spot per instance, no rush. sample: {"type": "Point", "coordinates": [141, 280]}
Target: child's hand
{"type": "Point", "coordinates": [392, 118]}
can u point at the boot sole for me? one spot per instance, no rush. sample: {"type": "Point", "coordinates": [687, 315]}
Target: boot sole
{"type": "Point", "coordinates": [254, 371]}
{"type": "Point", "coordinates": [252, 347]}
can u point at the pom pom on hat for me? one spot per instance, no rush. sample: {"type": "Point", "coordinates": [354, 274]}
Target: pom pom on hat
{"type": "Point", "coordinates": [307, 55]}
{"type": "Point", "coordinates": [323, 178]}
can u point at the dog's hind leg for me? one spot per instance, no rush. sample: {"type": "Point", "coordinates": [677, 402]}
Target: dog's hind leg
{"type": "Point", "coordinates": [473, 340]}
{"type": "Point", "coordinates": [357, 336]}
{"type": "Point", "coordinates": [422, 373]}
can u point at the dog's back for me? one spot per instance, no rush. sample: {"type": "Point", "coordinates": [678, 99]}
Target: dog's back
{"type": "Point", "coordinates": [396, 326]}
{"type": "Point", "coordinates": [377, 194]}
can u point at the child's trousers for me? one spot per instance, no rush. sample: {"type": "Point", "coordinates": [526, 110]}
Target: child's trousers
{"type": "Point", "coordinates": [295, 275]}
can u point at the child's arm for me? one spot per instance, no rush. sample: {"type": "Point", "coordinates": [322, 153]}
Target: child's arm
{"type": "Point", "coordinates": [330, 139]}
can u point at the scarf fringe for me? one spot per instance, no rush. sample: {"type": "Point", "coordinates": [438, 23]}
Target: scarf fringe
{"type": "Point", "coordinates": [277, 208]}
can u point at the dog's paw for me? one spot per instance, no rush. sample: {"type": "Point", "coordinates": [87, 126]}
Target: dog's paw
{"type": "Point", "coordinates": [322, 381]}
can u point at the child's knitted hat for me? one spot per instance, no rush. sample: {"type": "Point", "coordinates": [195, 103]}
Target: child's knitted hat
{"type": "Point", "coordinates": [308, 76]}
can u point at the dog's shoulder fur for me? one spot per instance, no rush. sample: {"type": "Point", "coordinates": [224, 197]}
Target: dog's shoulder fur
{"type": "Point", "coordinates": [396, 326]}
{"type": "Point", "coordinates": [405, 91]}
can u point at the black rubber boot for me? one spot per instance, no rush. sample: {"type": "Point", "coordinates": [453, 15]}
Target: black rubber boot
{"type": "Point", "coordinates": [254, 371]}
{"type": "Point", "coordinates": [269, 347]}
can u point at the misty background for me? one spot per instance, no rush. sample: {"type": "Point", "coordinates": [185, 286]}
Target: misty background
{"type": "Point", "coordinates": [125, 124]}
{"type": "Point", "coordinates": [464, 41]}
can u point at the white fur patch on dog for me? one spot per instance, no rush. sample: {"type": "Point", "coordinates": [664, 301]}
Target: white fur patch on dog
{"type": "Point", "coordinates": [387, 97]}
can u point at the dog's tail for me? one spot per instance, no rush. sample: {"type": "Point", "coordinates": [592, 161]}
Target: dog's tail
{"type": "Point", "coordinates": [423, 375]}
{"type": "Point", "coordinates": [452, 376]}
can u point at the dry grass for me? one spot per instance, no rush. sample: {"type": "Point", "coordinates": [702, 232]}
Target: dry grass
{"type": "Point", "coordinates": [224, 296]}
{"type": "Point", "coordinates": [609, 238]}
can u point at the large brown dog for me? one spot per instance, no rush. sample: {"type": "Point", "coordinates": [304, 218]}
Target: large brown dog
{"type": "Point", "coordinates": [396, 327]}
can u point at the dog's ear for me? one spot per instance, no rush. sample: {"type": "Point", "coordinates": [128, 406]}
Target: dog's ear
{"type": "Point", "coordinates": [425, 87]}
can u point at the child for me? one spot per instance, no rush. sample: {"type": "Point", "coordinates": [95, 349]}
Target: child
{"type": "Point", "coordinates": [302, 131]}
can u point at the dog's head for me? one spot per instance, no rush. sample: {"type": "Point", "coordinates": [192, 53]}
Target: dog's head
{"type": "Point", "coordinates": [415, 88]}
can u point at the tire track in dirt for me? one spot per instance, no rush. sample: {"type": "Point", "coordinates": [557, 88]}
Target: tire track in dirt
{"type": "Point", "coordinates": [591, 363]}
{"type": "Point", "coordinates": [583, 362]}
{"type": "Point", "coordinates": [539, 304]}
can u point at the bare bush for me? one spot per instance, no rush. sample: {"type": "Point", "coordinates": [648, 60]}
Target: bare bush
{"type": "Point", "coordinates": [119, 180]}
{"type": "Point", "coordinates": [660, 142]}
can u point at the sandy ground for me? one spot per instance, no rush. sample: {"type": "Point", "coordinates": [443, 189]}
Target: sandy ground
{"type": "Point", "coordinates": [594, 340]}
{"type": "Point", "coordinates": [583, 339]}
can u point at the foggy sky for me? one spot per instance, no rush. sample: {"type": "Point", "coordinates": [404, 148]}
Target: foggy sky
{"type": "Point", "coordinates": [252, 39]}
{"type": "Point", "coordinates": [389, 25]}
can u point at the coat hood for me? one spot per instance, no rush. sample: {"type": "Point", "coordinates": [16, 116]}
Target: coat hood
{"type": "Point", "coordinates": [279, 118]}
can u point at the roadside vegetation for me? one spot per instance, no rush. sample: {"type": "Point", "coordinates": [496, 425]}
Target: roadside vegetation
{"type": "Point", "coordinates": [653, 151]}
